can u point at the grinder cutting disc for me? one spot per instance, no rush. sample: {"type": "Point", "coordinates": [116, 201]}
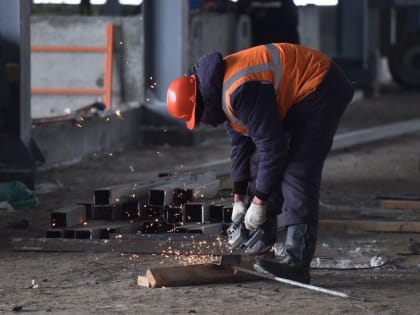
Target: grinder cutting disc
{"type": "Point", "coordinates": [229, 260]}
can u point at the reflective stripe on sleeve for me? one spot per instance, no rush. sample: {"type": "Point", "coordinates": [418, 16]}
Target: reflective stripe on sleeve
{"type": "Point", "coordinates": [274, 65]}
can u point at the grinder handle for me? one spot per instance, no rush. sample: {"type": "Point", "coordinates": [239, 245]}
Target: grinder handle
{"type": "Point", "coordinates": [254, 237]}
{"type": "Point", "coordinates": [240, 218]}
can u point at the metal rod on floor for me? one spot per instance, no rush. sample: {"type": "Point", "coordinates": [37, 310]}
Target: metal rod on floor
{"type": "Point", "coordinates": [298, 284]}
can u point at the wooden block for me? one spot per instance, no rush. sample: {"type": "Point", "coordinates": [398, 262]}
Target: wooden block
{"type": "Point", "coordinates": [143, 281]}
{"type": "Point", "coordinates": [193, 275]}
{"type": "Point", "coordinates": [400, 204]}
{"type": "Point", "coordinates": [372, 226]}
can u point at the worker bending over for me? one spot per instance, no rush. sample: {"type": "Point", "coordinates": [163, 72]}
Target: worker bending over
{"type": "Point", "coordinates": [281, 105]}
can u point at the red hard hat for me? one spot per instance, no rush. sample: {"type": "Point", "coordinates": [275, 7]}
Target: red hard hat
{"type": "Point", "coordinates": [181, 99]}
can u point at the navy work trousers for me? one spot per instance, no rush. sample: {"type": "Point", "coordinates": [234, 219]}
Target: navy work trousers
{"type": "Point", "coordinates": [312, 124]}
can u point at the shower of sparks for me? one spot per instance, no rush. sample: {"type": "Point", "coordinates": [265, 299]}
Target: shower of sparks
{"type": "Point", "coordinates": [118, 114]}
{"type": "Point", "coordinates": [201, 252]}
{"type": "Point", "coordinates": [192, 252]}
{"type": "Point", "coordinates": [152, 83]}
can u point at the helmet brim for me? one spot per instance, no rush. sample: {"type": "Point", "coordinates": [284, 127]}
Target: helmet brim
{"type": "Point", "coordinates": [192, 122]}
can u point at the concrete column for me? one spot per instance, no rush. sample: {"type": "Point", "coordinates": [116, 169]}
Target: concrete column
{"type": "Point", "coordinates": [17, 158]}
{"type": "Point", "coordinates": [15, 48]}
{"type": "Point", "coordinates": [166, 28]}
{"type": "Point", "coordinates": [352, 35]}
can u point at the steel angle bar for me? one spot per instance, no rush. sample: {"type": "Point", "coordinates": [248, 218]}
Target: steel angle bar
{"type": "Point", "coordinates": [116, 229]}
{"type": "Point", "coordinates": [139, 190]}
{"type": "Point", "coordinates": [107, 212]}
{"type": "Point", "coordinates": [199, 190]}
{"type": "Point", "coordinates": [220, 210]}
{"type": "Point", "coordinates": [164, 195]}
{"type": "Point", "coordinates": [150, 213]}
{"type": "Point", "coordinates": [121, 193]}
{"type": "Point", "coordinates": [195, 212]}
{"type": "Point", "coordinates": [181, 189]}
{"type": "Point", "coordinates": [215, 213]}
{"type": "Point", "coordinates": [89, 209]}
{"type": "Point", "coordinates": [149, 227]}
{"type": "Point", "coordinates": [205, 190]}
{"type": "Point", "coordinates": [101, 230]}
{"type": "Point", "coordinates": [130, 209]}
{"type": "Point", "coordinates": [210, 229]}
{"type": "Point", "coordinates": [54, 233]}
{"type": "Point", "coordinates": [227, 214]}
{"type": "Point", "coordinates": [69, 233]}
{"type": "Point", "coordinates": [87, 233]}
{"type": "Point", "coordinates": [68, 216]}
{"type": "Point", "coordinates": [173, 214]}
{"type": "Point", "coordinates": [126, 192]}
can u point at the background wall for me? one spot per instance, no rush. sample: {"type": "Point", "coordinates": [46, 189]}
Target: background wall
{"type": "Point", "coordinates": [207, 32]}
{"type": "Point", "coordinates": [85, 70]}
{"type": "Point", "coordinates": [66, 142]}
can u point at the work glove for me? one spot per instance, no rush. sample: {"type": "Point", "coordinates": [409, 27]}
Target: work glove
{"type": "Point", "coordinates": [238, 209]}
{"type": "Point", "coordinates": [255, 216]}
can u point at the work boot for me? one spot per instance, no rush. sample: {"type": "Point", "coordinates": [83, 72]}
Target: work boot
{"type": "Point", "coordinates": [294, 262]}
{"type": "Point", "coordinates": [265, 244]}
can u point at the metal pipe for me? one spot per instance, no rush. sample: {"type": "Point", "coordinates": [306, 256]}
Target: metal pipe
{"type": "Point", "coordinates": [298, 284]}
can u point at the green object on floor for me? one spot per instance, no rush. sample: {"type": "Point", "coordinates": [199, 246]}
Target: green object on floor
{"type": "Point", "coordinates": [18, 195]}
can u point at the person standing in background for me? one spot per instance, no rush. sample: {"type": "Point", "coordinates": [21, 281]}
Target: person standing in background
{"type": "Point", "coordinates": [273, 21]}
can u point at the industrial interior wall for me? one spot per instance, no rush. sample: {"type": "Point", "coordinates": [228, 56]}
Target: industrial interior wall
{"type": "Point", "coordinates": [225, 33]}
{"type": "Point", "coordinates": [229, 32]}
{"type": "Point", "coordinates": [85, 70]}
{"type": "Point", "coordinates": [208, 32]}
{"type": "Point", "coordinates": [317, 26]}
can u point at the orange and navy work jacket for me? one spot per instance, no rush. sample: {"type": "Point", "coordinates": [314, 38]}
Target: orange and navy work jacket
{"type": "Point", "coordinates": [293, 70]}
